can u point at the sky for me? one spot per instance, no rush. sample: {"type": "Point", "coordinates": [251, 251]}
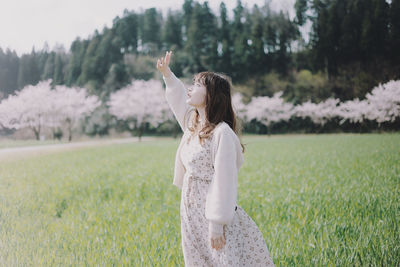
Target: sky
{"type": "Point", "coordinates": [30, 23]}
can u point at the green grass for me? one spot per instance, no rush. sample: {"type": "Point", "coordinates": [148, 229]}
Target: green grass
{"type": "Point", "coordinates": [7, 143]}
{"type": "Point", "coordinates": [319, 200]}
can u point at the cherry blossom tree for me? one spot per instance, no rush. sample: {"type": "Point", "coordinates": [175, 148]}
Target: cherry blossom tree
{"type": "Point", "coordinates": [319, 113]}
{"type": "Point", "coordinates": [71, 105]}
{"type": "Point", "coordinates": [142, 102]}
{"type": "Point", "coordinates": [268, 110]}
{"type": "Point", "coordinates": [384, 102]}
{"type": "Point", "coordinates": [353, 110]}
{"type": "Point", "coordinates": [38, 106]}
{"type": "Point", "coordinates": [29, 107]}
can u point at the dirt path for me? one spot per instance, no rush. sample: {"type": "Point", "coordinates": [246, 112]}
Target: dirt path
{"type": "Point", "coordinates": [27, 151]}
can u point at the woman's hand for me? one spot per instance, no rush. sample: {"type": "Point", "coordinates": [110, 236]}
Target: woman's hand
{"type": "Point", "coordinates": [163, 64]}
{"type": "Point", "coordinates": [218, 242]}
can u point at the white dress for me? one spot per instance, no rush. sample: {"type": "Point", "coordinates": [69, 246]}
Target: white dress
{"type": "Point", "coordinates": [245, 244]}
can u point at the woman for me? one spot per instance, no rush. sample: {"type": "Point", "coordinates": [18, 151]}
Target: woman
{"type": "Point", "coordinates": [215, 230]}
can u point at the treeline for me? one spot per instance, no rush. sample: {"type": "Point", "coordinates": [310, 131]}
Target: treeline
{"type": "Point", "coordinates": [353, 46]}
{"type": "Point", "coordinates": [355, 42]}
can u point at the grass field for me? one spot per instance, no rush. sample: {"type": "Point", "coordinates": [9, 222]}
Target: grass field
{"type": "Point", "coordinates": [6, 143]}
{"type": "Point", "coordinates": [319, 200]}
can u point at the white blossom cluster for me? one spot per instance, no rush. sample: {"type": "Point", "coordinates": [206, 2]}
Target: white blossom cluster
{"type": "Point", "coordinates": [381, 105]}
{"type": "Point", "coordinates": [40, 106]}
{"type": "Point", "coordinates": [144, 101]}
{"type": "Point", "coordinates": [268, 110]}
{"type": "Point", "coordinates": [384, 102]}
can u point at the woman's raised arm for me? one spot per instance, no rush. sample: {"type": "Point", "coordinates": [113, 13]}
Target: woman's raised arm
{"type": "Point", "coordinates": [176, 93]}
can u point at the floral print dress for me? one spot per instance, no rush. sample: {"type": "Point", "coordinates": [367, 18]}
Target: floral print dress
{"type": "Point", "coordinates": [245, 245]}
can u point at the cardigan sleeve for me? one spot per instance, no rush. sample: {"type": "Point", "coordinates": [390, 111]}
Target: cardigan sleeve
{"type": "Point", "coordinates": [176, 97]}
{"type": "Point", "coordinates": [222, 192]}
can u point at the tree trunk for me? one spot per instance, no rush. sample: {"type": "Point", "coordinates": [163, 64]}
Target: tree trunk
{"type": "Point", "coordinates": [69, 132]}
{"type": "Point", "coordinates": [37, 133]}
{"type": "Point", "coordinates": [175, 132]}
{"type": "Point", "coordinates": [140, 132]}
{"type": "Point", "coordinates": [379, 128]}
{"type": "Point", "coordinates": [54, 133]}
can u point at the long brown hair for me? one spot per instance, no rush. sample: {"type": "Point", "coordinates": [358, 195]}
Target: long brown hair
{"type": "Point", "coordinates": [218, 106]}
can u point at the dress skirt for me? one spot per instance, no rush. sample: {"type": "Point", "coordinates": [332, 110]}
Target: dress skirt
{"type": "Point", "coordinates": [245, 244]}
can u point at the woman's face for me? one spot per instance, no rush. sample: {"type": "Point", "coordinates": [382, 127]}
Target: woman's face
{"type": "Point", "coordinates": [197, 95]}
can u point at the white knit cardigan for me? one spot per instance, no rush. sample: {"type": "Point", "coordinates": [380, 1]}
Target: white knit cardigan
{"type": "Point", "coordinates": [226, 154]}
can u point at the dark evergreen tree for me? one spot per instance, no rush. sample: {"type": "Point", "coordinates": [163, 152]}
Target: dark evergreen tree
{"type": "Point", "coordinates": [28, 71]}
{"type": "Point", "coordinates": [107, 53]}
{"type": "Point", "coordinates": [300, 7]}
{"type": "Point", "coordinates": [91, 61]}
{"type": "Point", "coordinates": [375, 28]}
{"type": "Point", "coordinates": [287, 33]}
{"type": "Point", "coordinates": [172, 32]}
{"type": "Point", "coordinates": [224, 64]}
{"type": "Point", "coordinates": [209, 26]}
{"type": "Point", "coordinates": [240, 49]}
{"type": "Point", "coordinates": [77, 50]}
{"type": "Point", "coordinates": [187, 16]}
{"type": "Point", "coordinates": [42, 59]}
{"type": "Point", "coordinates": [49, 67]}
{"type": "Point", "coordinates": [9, 64]}
{"type": "Point", "coordinates": [257, 54]}
{"type": "Point", "coordinates": [151, 35]}
{"type": "Point", "coordinates": [394, 35]}
{"type": "Point", "coordinates": [58, 77]}
{"type": "Point", "coordinates": [127, 30]}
